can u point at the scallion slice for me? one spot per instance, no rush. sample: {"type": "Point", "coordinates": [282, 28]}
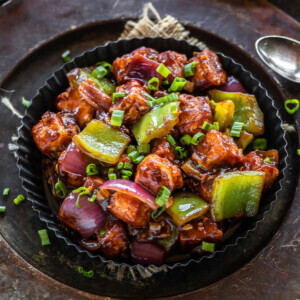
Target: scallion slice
{"type": "Point", "coordinates": [91, 169]}
{"type": "Point", "coordinates": [209, 247]}
{"type": "Point", "coordinates": [260, 144]}
{"type": "Point", "coordinates": [130, 149]}
{"type": "Point", "coordinates": [163, 196]}
{"type": "Point", "coordinates": [84, 190]}
{"type": "Point", "coordinates": [171, 140]}
{"type": "Point", "coordinates": [236, 129]}
{"type": "Point", "coordinates": [2, 209]}
{"type": "Point", "coordinates": [125, 177]}
{"type": "Point", "coordinates": [143, 148]}
{"type": "Point", "coordinates": [65, 56]}
{"type": "Point", "coordinates": [165, 82]}
{"type": "Point", "coordinates": [162, 100]}
{"type": "Point", "coordinates": [44, 237]}
{"type": "Point", "coordinates": [298, 151]}
{"type": "Point", "coordinates": [102, 233]}
{"type": "Point", "coordinates": [156, 213]}
{"type": "Point", "coordinates": [186, 139]}
{"type": "Point", "coordinates": [181, 152]}
{"type": "Point", "coordinates": [267, 160]}
{"type": "Point", "coordinates": [112, 176]}
{"type": "Point", "coordinates": [153, 84]}
{"type": "Point", "coordinates": [139, 159]}
{"type": "Point", "coordinates": [207, 126]}
{"type": "Point", "coordinates": [128, 166]}
{"type": "Point", "coordinates": [133, 155]}
{"type": "Point", "coordinates": [60, 190]}
{"type": "Point", "coordinates": [163, 70]}
{"type": "Point", "coordinates": [189, 69]}
{"type": "Point", "coordinates": [99, 72]}
{"type": "Point", "coordinates": [117, 117]}
{"type": "Point", "coordinates": [177, 84]}
{"type": "Point", "coordinates": [19, 199]}
{"type": "Point", "coordinates": [94, 196]}
{"type": "Point", "coordinates": [117, 95]}
{"type": "Point", "coordinates": [197, 138]}
{"type": "Point", "coordinates": [6, 192]}
{"type": "Point", "coordinates": [149, 97]}
{"type": "Point", "coordinates": [126, 172]}
{"type": "Point", "coordinates": [216, 126]}
{"type": "Point", "coordinates": [120, 165]}
{"type": "Point", "coordinates": [105, 65]}
{"type": "Point", "coordinates": [88, 274]}
{"type": "Point", "coordinates": [25, 102]}
{"type": "Point", "coordinates": [294, 103]}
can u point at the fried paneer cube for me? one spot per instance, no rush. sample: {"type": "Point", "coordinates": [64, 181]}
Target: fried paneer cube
{"type": "Point", "coordinates": [194, 112]}
{"type": "Point", "coordinates": [54, 132]}
{"type": "Point", "coordinates": [208, 72]}
{"type": "Point", "coordinates": [217, 150]}
{"type": "Point", "coordinates": [154, 172]}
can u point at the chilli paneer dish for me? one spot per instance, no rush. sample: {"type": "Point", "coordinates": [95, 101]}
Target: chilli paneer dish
{"type": "Point", "coordinates": [155, 154]}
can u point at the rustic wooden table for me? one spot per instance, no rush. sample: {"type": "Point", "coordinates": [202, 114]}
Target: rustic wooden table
{"type": "Point", "coordinates": [274, 272]}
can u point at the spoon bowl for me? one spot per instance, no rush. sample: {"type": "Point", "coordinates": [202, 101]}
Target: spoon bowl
{"type": "Point", "coordinates": [281, 54]}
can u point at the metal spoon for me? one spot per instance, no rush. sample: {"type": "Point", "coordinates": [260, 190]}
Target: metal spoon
{"type": "Point", "coordinates": [281, 54]}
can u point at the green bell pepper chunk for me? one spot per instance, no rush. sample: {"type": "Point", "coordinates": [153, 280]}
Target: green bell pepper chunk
{"type": "Point", "coordinates": [169, 242]}
{"type": "Point", "coordinates": [246, 110]}
{"type": "Point", "coordinates": [186, 207]}
{"type": "Point", "coordinates": [102, 142]}
{"type": "Point", "coordinates": [76, 76]}
{"type": "Point", "coordinates": [236, 192]}
{"type": "Point", "coordinates": [156, 123]}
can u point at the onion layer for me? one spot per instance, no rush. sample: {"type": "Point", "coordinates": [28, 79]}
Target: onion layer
{"type": "Point", "coordinates": [86, 220]}
{"type": "Point", "coordinates": [232, 85]}
{"type": "Point", "coordinates": [132, 189]}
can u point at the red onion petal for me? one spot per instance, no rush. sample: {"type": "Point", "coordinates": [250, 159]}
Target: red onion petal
{"type": "Point", "coordinates": [147, 253]}
{"type": "Point", "coordinates": [132, 189]}
{"type": "Point", "coordinates": [86, 220]}
{"type": "Point", "coordinates": [232, 85]}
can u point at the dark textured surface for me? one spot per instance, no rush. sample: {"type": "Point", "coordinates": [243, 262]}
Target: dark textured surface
{"type": "Point", "coordinates": [274, 272]}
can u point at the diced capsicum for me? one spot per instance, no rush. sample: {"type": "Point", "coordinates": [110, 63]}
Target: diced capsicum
{"type": "Point", "coordinates": [156, 123]}
{"type": "Point", "coordinates": [246, 110]}
{"type": "Point", "coordinates": [224, 111]}
{"type": "Point", "coordinates": [190, 169]}
{"type": "Point", "coordinates": [186, 207]}
{"type": "Point", "coordinates": [169, 242]}
{"type": "Point", "coordinates": [236, 192]}
{"type": "Point", "coordinates": [244, 140]}
{"type": "Point", "coordinates": [102, 142]}
{"type": "Point", "coordinates": [77, 76]}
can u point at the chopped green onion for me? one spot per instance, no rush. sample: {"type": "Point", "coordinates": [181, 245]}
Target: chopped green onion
{"type": "Point", "coordinates": [236, 129]}
{"type": "Point", "coordinates": [105, 65]}
{"type": "Point", "coordinates": [298, 151]}
{"type": "Point", "coordinates": [120, 165]}
{"type": "Point", "coordinates": [60, 190]}
{"type": "Point", "coordinates": [171, 140]}
{"type": "Point", "coordinates": [111, 171]}
{"type": "Point", "coordinates": [44, 237]}
{"type": "Point", "coordinates": [130, 149]}
{"type": "Point", "coordinates": [128, 166]}
{"type": "Point", "coordinates": [165, 82]}
{"type": "Point", "coordinates": [174, 108]}
{"type": "Point", "coordinates": [126, 172]}
{"type": "Point", "coordinates": [206, 126]}
{"type": "Point", "coordinates": [143, 148]}
{"type": "Point", "coordinates": [93, 198]}
{"type": "Point", "coordinates": [163, 70]}
{"type": "Point", "coordinates": [149, 97]}
{"type": "Point", "coordinates": [133, 155]}
{"type": "Point", "coordinates": [19, 199]}
{"type": "Point", "coordinates": [260, 144]}
{"type": "Point", "coordinates": [209, 247]}
{"type": "Point", "coordinates": [91, 169]}
{"type": "Point", "coordinates": [180, 152]}
{"type": "Point", "coordinates": [216, 126]}
{"type": "Point", "coordinates": [99, 72]}
{"type": "Point", "coordinates": [163, 196]}
{"type": "Point", "coordinates": [2, 209]}
{"type": "Point", "coordinates": [177, 84]}
{"type": "Point", "coordinates": [125, 177]}
{"type": "Point", "coordinates": [102, 232]}
{"type": "Point", "coordinates": [138, 159]}
{"type": "Point", "coordinates": [88, 274]}
{"type": "Point", "coordinates": [153, 84]}
{"type": "Point", "coordinates": [117, 95]}
{"type": "Point", "coordinates": [166, 99]}
{"type": "Point", "coordinates": [189, 69]}
{"type": "Point", "coordinates": [267, 160]}
{"type": "Point", "coordinates": [294, 103]}
{"type": "Point", "coordinates": [6, 192]}
{"type": "Point", "coordinates": [65, 56]}
{"type": "Point", "coordinates": [156, 213]}
{"type": "Point", "coordinates": [112, 176]}
{"type": "Point", "coordinates": [25, 102]}
{"type": "Point", "coordinates": [117, 117]}
{"type": "Point", "coordinates": [199, 166]}
{"type": "Point", "coordinates": [85, 191]}
{"type": "Point", "coordinates": [197, 138]}
{"type": "Point", "coordinates": [186, 139]}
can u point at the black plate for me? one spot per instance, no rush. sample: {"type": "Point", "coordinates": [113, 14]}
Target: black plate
{"type": "Point", "coordinates": [124, 282]}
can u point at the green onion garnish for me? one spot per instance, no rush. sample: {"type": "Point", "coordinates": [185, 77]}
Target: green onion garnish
{"type": "Point", "coordinates": [153, 84]}
{"type": "Point", "coordinates": [6, 192]}
{"type": "Point", "coordinates": [91, 169]}
{"type": "Point", "coordinates": [19, 199]}
{"type": "Point", "coordinates": [298, 151]}
{"type": "Point", "coordinates": [25, 102]}
{"type": "Point", "coordinates": [267, 160]}
{"type": "Point", "coordinates": [85, 191]}
{"type": "Point", "coordinates": [139, 159]}
{"type": "Point", "coordinates": [112, 176]}
{"type": "Point", "coordinates": [186, 139]}
{"type": "Point", "coordinates": [126, 172]}
{"type": "Point", "coordinates": [143, 148]}
{"type": "Point", "coordinates": [174, 108]}
{"type": "Point", "coordinates": [166, 99]}
{"type": "Point", "coordinates": [197, 138]}
{"type": "Point", "coordinates": [65, 56]}
{"type": "Point", "coordinates": [189, 69]}
{"type": "Point", "coordinates": [206, 126]}
{"type": "Point", "coordinates": [260, 144]}
{"type": "Point", "coordinates": [125, 177]}
{"type": "Point", "coordinates": [209, 247]}
{"type": "Point", "coordinates": [216, 126]}
{"type": "Point", "coordinates": [180, 152]}
{"type": "Point", "coordinates": [171, 140]}
{"type": "Point", "coordinates": [105, 65]}
{"type": "Point", "coordinates": [163, 196]}
{"type": "Point", "coordinates": [93, 198]}
{"type": "Point", "coordinates": [163, 70]}
{"type": "Point", "coordinates": [294, 103]}
{"type": "Point", "coordinates": [60, 190]}
{"type": "Point", "coordinates": [120, 165]}
{"type": "Point", "coordinates": [199, 166]}
{"type": "Point", "coordinates": [102, 233]}
{"type": "Point", "coordinates": [2, 209]}
{"type": "Point", "coordinates": [236, 129]}
{"type": "Point", "coordinates": [149, 97]}
{"type": "Point", "coordinates": [88, 274]}
{"type": "Point", "coordinates": [44, 237]}
{"type": "Point", "coordinates": [177, 85]}
{"type": "Point", "coordinates": [117, 117]}
{"type": "Point", "coordinates": [117, 95]}
{"type": "Point", "coordinates": [133, 155]}
{"type": "Point", "coordinates": [128, 166]}
{"type": "Point", "coordinates": [165, 82]}
{"type": "Point", "coordinates": [111, 171]}
{"type": "Point", "coordinates": [156, 213]}
{"type": "Point", "coordinates": [130, 149]}
{"type": "Point", "coordinates": [99, 72]}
